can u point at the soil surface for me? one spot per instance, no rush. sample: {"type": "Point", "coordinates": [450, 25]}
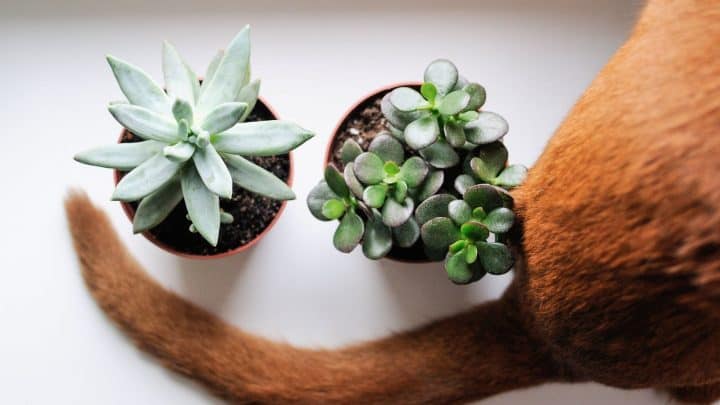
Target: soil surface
{"type": "Point", "coordinates": [252, 213]}
{"type": "Point", "coordinates": [363, 124]}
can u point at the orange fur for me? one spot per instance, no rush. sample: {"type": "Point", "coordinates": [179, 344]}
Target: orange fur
{"type": "Point", "coordinates": [618, 277]}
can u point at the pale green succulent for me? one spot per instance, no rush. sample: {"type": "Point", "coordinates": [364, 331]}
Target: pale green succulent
{"type": "Point", "coordinates": [195, 142]}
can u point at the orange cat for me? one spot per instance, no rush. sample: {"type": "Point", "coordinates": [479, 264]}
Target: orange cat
{"type": "Point", "coordinates": [618, 277]}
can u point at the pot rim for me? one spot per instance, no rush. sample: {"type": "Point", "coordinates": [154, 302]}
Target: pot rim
{"type": "Point", "coordinates": [336, 130]}
{"type": "Point", "coordinates": [130, 212]}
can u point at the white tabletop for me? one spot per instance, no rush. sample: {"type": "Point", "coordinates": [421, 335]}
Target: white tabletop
{"type": "Point", "coordinates": [315, 58]}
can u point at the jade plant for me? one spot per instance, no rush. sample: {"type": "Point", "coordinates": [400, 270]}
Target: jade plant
{"type": "Point", "coordinates": [438, 179]}
{"type": "Point", "coordinates": [194, 141]}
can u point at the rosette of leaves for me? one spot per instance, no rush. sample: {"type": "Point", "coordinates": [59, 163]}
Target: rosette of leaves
{"type": "Point", "coordinates": [195, 142]}
{"type": "Point", "coordinates": [468, 231]}
{"type": "Point", "coordinates": [489, 164]}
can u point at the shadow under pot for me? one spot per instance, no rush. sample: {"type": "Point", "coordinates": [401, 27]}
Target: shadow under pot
{"type": "Point", "coordinates": [254, 215]}
{"type": "Point", "coordinates": [363, 122]}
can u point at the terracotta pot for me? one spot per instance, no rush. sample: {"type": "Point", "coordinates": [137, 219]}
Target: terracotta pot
{"type": "Point", "coordinates": [396, 254]}
{"type": "Point", "coordinates": [130, 212]}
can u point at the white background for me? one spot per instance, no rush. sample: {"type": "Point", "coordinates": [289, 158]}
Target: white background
{"type": "Point", "coordinates": [315, 58]}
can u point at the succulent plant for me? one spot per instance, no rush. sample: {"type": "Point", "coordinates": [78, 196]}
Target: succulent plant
{"type": "Point", "coordinates": [383, 198]}
{"type": "Point", "coordinates": [195, 142]}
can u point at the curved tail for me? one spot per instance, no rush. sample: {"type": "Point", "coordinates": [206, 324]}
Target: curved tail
{"type": "Point", "coordinates": [461, 358]}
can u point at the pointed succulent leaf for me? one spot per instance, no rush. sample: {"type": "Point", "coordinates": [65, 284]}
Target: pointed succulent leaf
{"type": "Point", "coordinates": [254, 178]}
{"type": "Point", "coordinates": [369, 168]}
{"type": "Point", "coordinates": [249, 95]}
{"type": "Point", "coordinates": [401, 191]}
{"type": "Point", "coordinates": [414, 171]}
{"type": "Point", "coordinates": [454, 103]}
{"type": "Point", "coordinates": [433, 207]}
{"type": "Point", "coordinates": [440, 155]}
{"type": "Point", "coordinates": [454, 134]}
{"type": "Point", "coordinates": [429, 91]}
{"type": "Point", "coordinates": [349, 151]}
{"type": "Point", "coordinates": [512, 176]}
{"type": "Point", "coordinates": [439, 233]}
{"type": "Point", "coordinates": [154, 208]}
{"type": "Point", "coordinates": [474, 230]}
{"type": "Point", "coordinates": [335, 180]}
{"type": "Point", "coordinates": [459, 211]}
{"type": "Point", "coordinates": [377, 240]}
{"type": "Point", "coordinates": [406, 234]}
{"type": "Point", "coordinates": [333, 209]}
{"type": "Point", "coordinates": [211, 69]}
{"type": "Point", "coordinates": [463, 182]}
{"type": "Point", "coordinates": [145, 123]}
{"type": "Point", "coordinates": [121, 156]}
{"type": "Point", "coordinates": [395, 213]}
{"type": "Point", "coordinates": [398, 119]}
{"type": "Point", "coordinates": [317, 198]}
{"type": "Point", "coordinates": [261, 138]}
{"type": "Point", "coordinates": [471, 254]}
{"type": "Point", "coordinates": [349, 233]}
{"type": "Point", "coordinates": [499, 220]}
{"type": "Point", "coordinates": [406, 99]}
{"type": "Point", "coordinates": [213, 171]}
{"type": "Point", "coordinates": [146, 178]}
{"type": "Point", "coordinates": [182, 110]}
{"type": "Point", "coordinates": [180, 82]}
{"type": "Point", "coordinates": [489, 161]}
{"type": "Point", "coordinates": [223, 117]}
{"type": "Point", "coordinates": [374, 196]}
{"type": "Point", "coordinates": [443, 74]}
{"type": "Point", "coordinates": [203, 205]}
{"type": "Point", "coordinates": [138, 87]}
{"type": "Point", "coordinates": [483, 195]}
{"type": "Point", "coordinates": [230, 75]}
{"type": "Point", "coordinates": [387, 148]}
{"type": "Point", "coordinates": [487, 128]}
{"type": "Point", "coordinates": [422, 132]}
{"type": "Point", "coordinates": [179, 152]}
{"type": "Point", "coordinates": [433, 182]}
{"type": "Point", "coordinates": [477, 95]}
{"type": "Point", "coordinates": [495, 258]}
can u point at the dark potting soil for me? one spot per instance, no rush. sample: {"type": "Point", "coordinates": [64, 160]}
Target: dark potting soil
{"type": "Point", "coordinates": [252, 213]}
{"type": "Point", "coordinates": [363, 124]}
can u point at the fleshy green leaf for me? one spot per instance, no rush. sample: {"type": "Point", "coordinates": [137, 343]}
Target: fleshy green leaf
{"type": "Point", "coordinates": [182, 110]}
{"type": "Point", "coordinates": [471, 254]}
{"type": "Point", "coordinates": [138, 87]}
{"type": "Point", "coordinates": [333, 209]}
{"type": "Point", "coordinates": [422, 132]}
{"type": "Point", "coordinates": [479, 213]}
{"type": "Point", "coordinates": [414, 171]}
{"type": "Point", "coordinates": [387, 148]}
{"type": "Point", "coordinates": [463, 182]}
{"type": "Point", "coordinates": [223, 116]}
{"type": "Point", "coordinates": [401, 191]}
{"type": "Point", "coordinates": [483, 195]}
{"type": "Point", "coordinates": [377, 240]}
{"type": "Point", "coordinates": [499, 220]}
{"type": "Point", "coordinates": [407, 234]}
{"type": "Point", "coordinates": [213, 171]}
{"type": "Point", "coordinates": [454, 103]}
{"type": "Point", "coordinates": [179, 152]}
{"type": "Point", "coordinates": [439, 233]}
{"type": "Point", "coordinates": [203, 205]}
{"type": "Point", "coordinates": [121, 156]}
{"type": "Point", "coordinates": [433, 207]}
{"type": "Point", "coordinates": [454, 134]}
{"type": "Point", "coordinates": [477, 95]}
{"type": "Point", "coordinates": [512, 176]}
{"type": "Point", "coordinates": [317, 198]}
{"type": "Point", "coordinates": [231, 74]}
{"type": "Point", "coordinates": [395, 214]}
{"type": "Point", "coordinates": [179, 80]}
{"type": "Point", "coordinates": [145, 123]}
{"type": "Point", "coordinates": [443, 74]}
{"type": "Point", "coordinates": [495, 258]}
{"type": "Point", "coordinates": [440, 155]}
{"type": "Point", "coordinates": [261, 138]}
{"type": "Point", "coordinates": [146, 178]}
{"type": "Point", "coordinates": [433, 181]}
{"type": "Point", "coordinates": [398, 119]}
{"type": "Point", "coordinates": [458, 246]}
{"type": "Point", "coordinates": [212, 68]}
{"type": "Point", "coordinates": [474, 230]}
{"type": "Point", "coordinates": [336, 181]}
{"type": "Point", "coordinates": [252, 177]}
{"type": "Point", "coordinates": [489, 161]}
{"type": "Point", "coordinates": [349, 233]}
{"type": "Point", "coordinates": [468, 116]}
{"type": "Point", "coordinates": [349, 151]}
{"type": "Point", "coordinates": [429, 91]}
{"type": "Point", "coordinates": [249, 95]}
{"type": "Point", "coordinates": [369, 168]}
{"type": "Point", "coordinates": [487, 128]}
{"type": "Point", "coordinates": [374, 196]}
{"type": "Point", "coordinates": [459, 211]}
{"type": "Point", "coordinates": [406, 99]}
{"type": "Point", "coordinates": [352, 181]}
{"type": "Point", "coordinates": [391, 169]}
{"type": "Point", "coordinates": [154, 208]}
